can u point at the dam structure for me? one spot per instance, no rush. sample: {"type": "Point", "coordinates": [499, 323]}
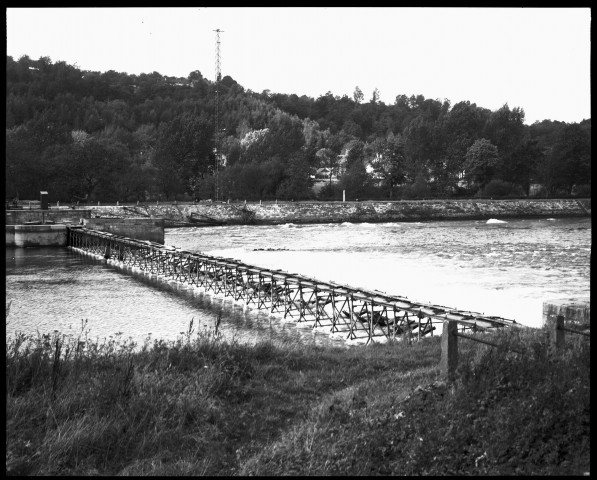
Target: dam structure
{"type": "Point", "coordinates": [357, 314]}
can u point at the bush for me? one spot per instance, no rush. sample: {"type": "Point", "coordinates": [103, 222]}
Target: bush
{"type": "Point", "coordinates": [499, 188]}
{"type": "Point", "coordinates": [328, 192]}
{"type": "Point", "coordinates": [419, 189]}
{"type": "Point", "coordinates": [582, 190]}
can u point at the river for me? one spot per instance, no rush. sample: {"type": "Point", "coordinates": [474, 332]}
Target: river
{"type": "Point", "coordinates": [497, 268]}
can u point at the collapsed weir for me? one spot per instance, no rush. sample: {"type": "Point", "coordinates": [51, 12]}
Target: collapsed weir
{"type": "Point", "coordinates": [356, 313]}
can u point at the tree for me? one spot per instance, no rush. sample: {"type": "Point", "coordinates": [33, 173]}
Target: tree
{"type": "Point", "coordinates": [452, 135]}
{"type": "Point", "coordinates": [569, 162]}
{"type": "Point", "coordinates": [286, 134]}
{"type": "Point", "coordinates": [418, 136]}
{"type": "Point", "coordinates": [375, 96]}
{"type": "Point", "coordinates": [523, 162]}
{"type": "Point", "coordinates": [389, 161]}
{"type": "Point", "coordinates": [297, 182]}
{"type": "Point", "coordinates": [505, 129]}
{"type": "Point", "coordinates": [354, 153]}
{"type": "Point", "coordinates": [184, 151]}
{"type": "Point", "coordinates": [23, 175]}
{"type": "Point", "coordinates": [97, 168]}
{"type": "Point", "coordinates": [481, 162]}
{"type": "Point", "coordinates": [358, 95]}
{"type": "Point", "coordinates": [255, 145]}
{"type": "Point", "coordinates": [312, 137]}
{"type": "Point", "coordinates": [355, 180]}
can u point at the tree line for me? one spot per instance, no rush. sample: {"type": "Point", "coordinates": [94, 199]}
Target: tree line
{"type": "Point", "coordinates": [111, 136]}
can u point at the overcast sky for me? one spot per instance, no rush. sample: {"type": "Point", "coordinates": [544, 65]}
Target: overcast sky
{"type": "Point", "coordinates": [536, 59]}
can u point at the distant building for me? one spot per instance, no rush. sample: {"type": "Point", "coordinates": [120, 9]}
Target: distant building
{"type": "Point", "coordinates": [322, 177]}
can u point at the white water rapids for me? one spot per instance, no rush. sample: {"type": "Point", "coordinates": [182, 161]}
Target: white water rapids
{"type": "Point", "coordinates": [506, 269]}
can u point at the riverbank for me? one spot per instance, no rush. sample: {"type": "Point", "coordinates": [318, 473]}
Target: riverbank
{"type": "Point", "coordinates": [272, 213]}
{"type": "Point", "coordinates": [203, 406]}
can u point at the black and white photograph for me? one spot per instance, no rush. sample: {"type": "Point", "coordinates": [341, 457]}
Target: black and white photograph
{"type": "Point", "coordinates": [298, 241]}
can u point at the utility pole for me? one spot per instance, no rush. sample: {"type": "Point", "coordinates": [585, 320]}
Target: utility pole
{"type": "Point", "coordinates": [217, 115]}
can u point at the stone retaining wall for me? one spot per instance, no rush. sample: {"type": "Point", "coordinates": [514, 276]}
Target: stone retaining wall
{"type": "Point", "coordinates": [369, 211]}
{"type": "Point", "coordinates": [62, 215]}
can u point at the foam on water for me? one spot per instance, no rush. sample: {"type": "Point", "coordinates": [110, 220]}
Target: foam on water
{"type": "Point", "coordinates": [495, 220]}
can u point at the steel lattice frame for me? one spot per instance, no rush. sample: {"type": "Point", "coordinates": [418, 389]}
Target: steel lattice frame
{"type": "Point", "coordinates": [356, 313]}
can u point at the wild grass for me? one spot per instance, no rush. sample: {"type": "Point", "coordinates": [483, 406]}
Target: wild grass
{"type": "Point", "coordinates": [507, 413]}
{"type": "Point", "coordinates": [203, 405]}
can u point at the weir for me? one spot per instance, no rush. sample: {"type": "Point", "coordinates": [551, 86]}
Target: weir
{"type": "Point", "coordinates": [358, 313]}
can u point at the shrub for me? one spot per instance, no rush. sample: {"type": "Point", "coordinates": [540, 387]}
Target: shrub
{"type": "Point", "coordinates": [538, 191]}
{"type": "Point", "coordinates": [419, 189]}
{"type": "Point", "coordinates": [499, 188]}
{"type": "Point", "coordinates": [582, 190]}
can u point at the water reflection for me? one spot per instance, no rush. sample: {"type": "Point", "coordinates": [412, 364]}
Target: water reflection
{"type": "Point", "coordinates": [52, 288]}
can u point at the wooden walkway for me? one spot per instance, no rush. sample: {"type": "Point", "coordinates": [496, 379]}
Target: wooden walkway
{"type": "Point", "coordinates": [357, 313]}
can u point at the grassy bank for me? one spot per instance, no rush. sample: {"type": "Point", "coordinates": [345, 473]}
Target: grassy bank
{"type": "Point", "coordinates": [202, 406]}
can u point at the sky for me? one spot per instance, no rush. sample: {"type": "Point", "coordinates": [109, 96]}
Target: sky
{"type": "Point", "coordinates": [537, 59]}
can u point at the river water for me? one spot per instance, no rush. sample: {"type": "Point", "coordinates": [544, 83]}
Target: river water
{"type": "Point", "coordinates": [506, 269]}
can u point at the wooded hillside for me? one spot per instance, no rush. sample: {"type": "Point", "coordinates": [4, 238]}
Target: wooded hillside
{"type": "Point", "coordinates": [114, 136]}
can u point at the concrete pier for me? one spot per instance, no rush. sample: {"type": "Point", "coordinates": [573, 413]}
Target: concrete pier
{"type": "Point", "coordinates": [55, 235]}
{"type": "Point", "coordinates": [576, 311]}
{"type": "Point", "coordinates": [36, 235]}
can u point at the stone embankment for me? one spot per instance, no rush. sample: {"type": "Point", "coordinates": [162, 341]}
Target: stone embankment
{"type": "Point", "coordinates": [268, 213]}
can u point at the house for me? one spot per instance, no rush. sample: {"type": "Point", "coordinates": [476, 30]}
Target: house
{"type": "Point", "coordinates": [322, 177]}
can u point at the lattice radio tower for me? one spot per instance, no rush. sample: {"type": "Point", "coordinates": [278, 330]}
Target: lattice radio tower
{"type": "Point", "coordinates": [217, 114]}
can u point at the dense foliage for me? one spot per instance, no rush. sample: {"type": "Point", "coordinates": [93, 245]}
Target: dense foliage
{"type": "Point", "coordinates": [114, 136]}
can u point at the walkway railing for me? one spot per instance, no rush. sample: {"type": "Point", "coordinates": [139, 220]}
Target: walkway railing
{"type": "Point", "coordinates": [357, 313]}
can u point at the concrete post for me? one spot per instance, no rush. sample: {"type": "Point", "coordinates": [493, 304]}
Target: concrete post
{"type": "Point", "coordinates": [449, 343]}
{"type": "Point", "coordinates": [343, 195]}
{"type": "Point", "coordinates": [556, 335]}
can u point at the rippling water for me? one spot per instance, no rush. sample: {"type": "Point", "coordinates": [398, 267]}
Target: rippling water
{"type": "Point", "coordinates": [506, 269]}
